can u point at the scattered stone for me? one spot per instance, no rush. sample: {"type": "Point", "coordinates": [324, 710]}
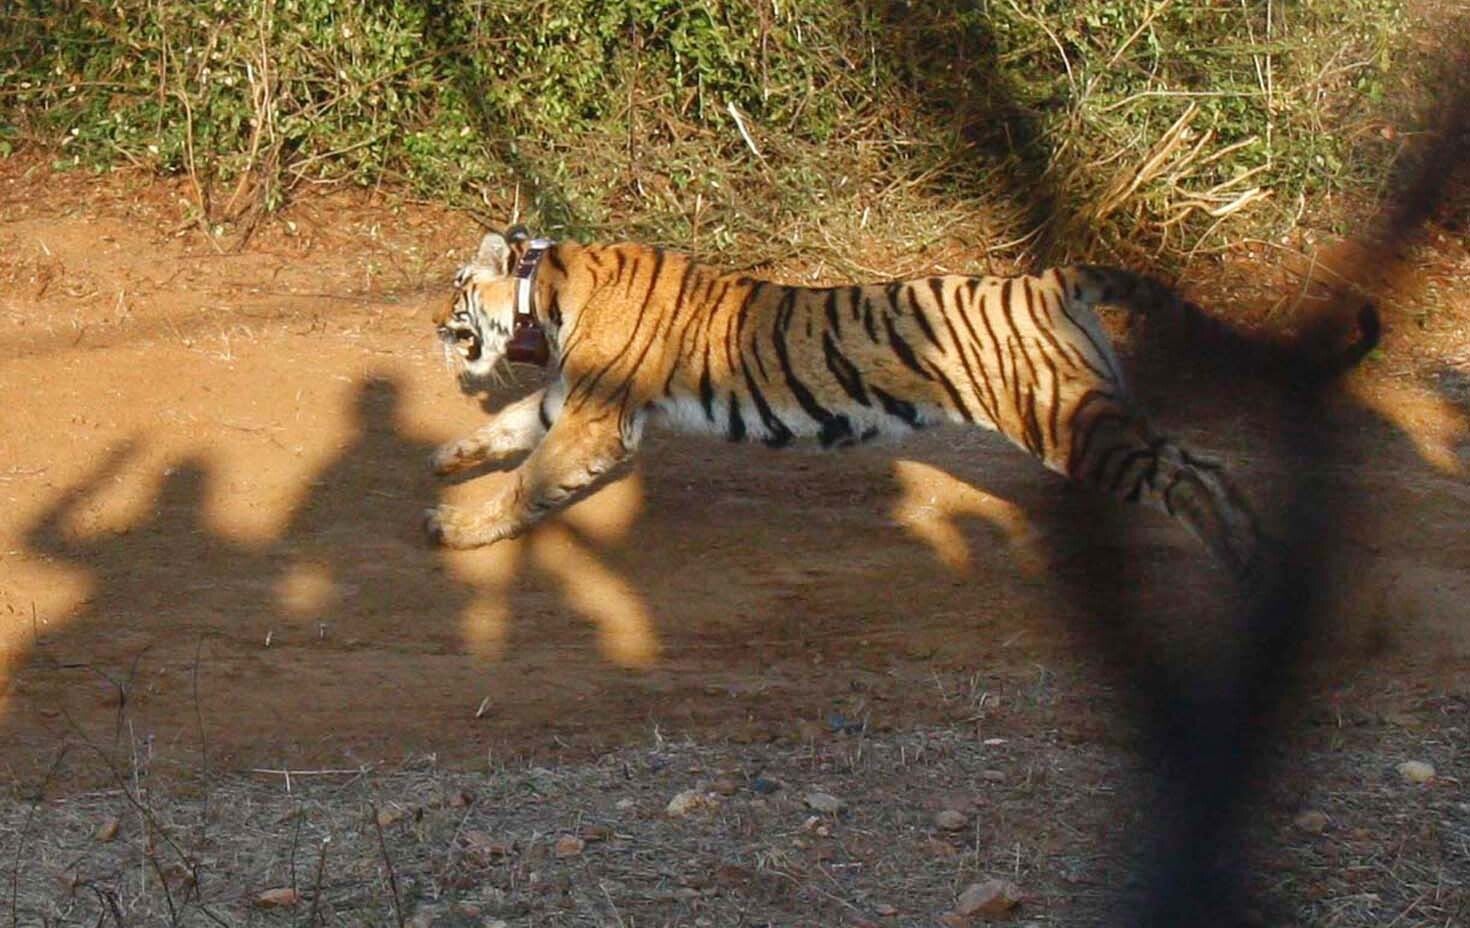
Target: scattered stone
{"type": "Point", "coordinates": [726, 786]}
{"type": "Point", "coordinates": [688, 802]}
{"type": "Point", "coordinates": [591, 833]}
{"type": "Point", "coordinates": [1312, 821]}
{"type": "Point", "coordinates": [954, 920]}
{"type": "Point", "coordinates": [941, 849]}
{"type": "Point", "coordinates": [624, 804]}
{"type": "Point", "coordinates": [178, 875]}
{"type": "Point", "coordinates": [462, 798]}
{"type": "Point", "coordinates": [1416, 771]}
{"type": "Point", "coordinates": [765, 786]}
{"type": "Point", "coordinates": [992, 897]}
{"type": "Point", "coordinates": [841, 724]}
{"type": "Point", "coordinates": [884, 910]}
{"type": "Point", "coordinates": [826, 803]}
{"type": "Point", "coordinates": [388, 815]}
{"type": "Point", "coordinates": [107, 831]}
{"type": "Point", "coordinates": [283, 897]}
{"type": "Point", "coordinates": [569, 846]}
{"type": "Point", "coordinates": [950, 820]}
{"type": "Point", "coordinates": [994, 776]}
{"type": "Point", "coordinates": [482, 845]}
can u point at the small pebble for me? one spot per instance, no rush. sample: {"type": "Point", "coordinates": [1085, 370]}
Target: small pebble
{"type": "Point", "coordinates": [282, 898]}
{"type": "Point", "coordinates": [992, 897]}
{"type": "Point", "coordinates": [107, 830]}
{"type": "Point", "coordinates": [825, 803]}
{"type": "Point", "coordinates": [1416, 771]}
{"type": "Point", "coordinates": [765, 786]}
{"type": "Point", "coordinates": [687, 802]}
{"type": "Point", "coordinates": [950, 820]}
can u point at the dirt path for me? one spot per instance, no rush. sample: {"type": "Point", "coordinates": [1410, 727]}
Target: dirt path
{"type": "Point", "coordinates": [212, 466]}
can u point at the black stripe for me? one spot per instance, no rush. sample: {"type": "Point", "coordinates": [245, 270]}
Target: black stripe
{"type": "Point", "coordinates": [1056, 407]}
{"type": "Point", "coordinates": [1009, 310]}
{"type": "Point", "coordinates": [936, 286]}
{"type": "Point", "coordinates": [679, 303]}
{"type": "Point", "coordinates": [1043, 326]}
{"type": "Point", "coordinates": [954, 394]}
{"type": "Point", "coordinates": [735, 321]}
{"type": "Point", "coordinates": [553, 257]}
{"type": "Point", "coordinates": [868, 320]}
{"type": "Point", "coordinates": [1014, 383]}
{"type": "Point", "coordinates": [1070, 351]}
{"type": "Point", "coordinates": [899, 409]}
{"type": "Point", "coordinates": [902, 349]}
{"type": "Point", "coordinates": [833, 319]}
{"type": "Point", "coordinates": [778, 435]}
{"type": "Point", "coordinates": [1082, 450]}
{"type": "Point", "coordinates": [980, 386]}
{"type": "Point", "coordinates": [735, 429]}
{"type": "Point", "coordinates": [706, 389]}
{"type": "Point", "coordinates": [1128, 461]}
{"type": "Point", "coordinates": [848, 376]}
{"type": "Point", "coordinates": [1100, 467]}
{"type": "Point", "coordinates": [1077, 444]}
{"type": "Point", "coordinates": [542, 414]}
{"type": "Point", "coordinates": [1000, 363]}
{"type": "Point", "coordinates": [1111, 375]}
{"type": "Point", "coordinates": [585, 393]}
{"type": "Point", "coordinates": [799, 390]}
{"type": "Point", "coordinates": [836, 430]}
{"type": "Point", "coordinates": [658, 266]}
{"type": "Point", "coordinates": [855, 294]}
{"type": "Point", "coordinates": [1034, 442]}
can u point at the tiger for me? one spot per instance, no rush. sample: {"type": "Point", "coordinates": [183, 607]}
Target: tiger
{"type": "Point", "coordinates": [638, 334]}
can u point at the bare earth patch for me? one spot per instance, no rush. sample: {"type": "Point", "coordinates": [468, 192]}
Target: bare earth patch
{"type": "Point", "coordinates": [211, 468]}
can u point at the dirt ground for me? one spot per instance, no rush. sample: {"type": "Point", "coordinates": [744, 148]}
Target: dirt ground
{"type": "Point", "coordinates": [213, 465]}
{"type": "Point", "coordinates": [213, 461]}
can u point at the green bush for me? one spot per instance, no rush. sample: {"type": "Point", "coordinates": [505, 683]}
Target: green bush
{"type": "Point", "coordinates": [1153, 127]}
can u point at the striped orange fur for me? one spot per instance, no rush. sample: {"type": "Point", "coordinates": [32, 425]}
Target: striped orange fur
{"type": "Point", "coordinates": [639, 334]}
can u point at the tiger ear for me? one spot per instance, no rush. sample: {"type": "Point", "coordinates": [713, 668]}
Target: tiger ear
{"type": "Point", "coordinates": [494, 253]}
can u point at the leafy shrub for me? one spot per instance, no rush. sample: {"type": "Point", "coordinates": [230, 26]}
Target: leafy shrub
{"type": "Point", "coordinates": [1153, 127]}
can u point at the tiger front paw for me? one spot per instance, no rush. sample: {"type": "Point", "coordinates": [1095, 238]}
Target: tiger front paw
{"type": "Point", "coordinates": [445, 527]}
{"type": "Point", "coordinates": [449, 459]}
{"type": "Point", "coordinates": [448, 527]}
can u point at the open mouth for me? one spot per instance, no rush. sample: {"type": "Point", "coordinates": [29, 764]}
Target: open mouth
{"type": "Point", "coordinates": [467, 342]}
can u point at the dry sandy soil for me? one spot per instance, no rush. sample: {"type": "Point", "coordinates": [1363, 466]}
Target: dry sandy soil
{"type": "Point", "coordinates": [213, 460]}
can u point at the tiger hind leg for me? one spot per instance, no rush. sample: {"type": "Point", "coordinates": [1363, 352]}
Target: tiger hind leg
{"type": "Point", "coordinates": [1115, 451]}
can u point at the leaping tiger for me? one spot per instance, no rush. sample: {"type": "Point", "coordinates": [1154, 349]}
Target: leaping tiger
{"type": "Point", "coordinates": [638, 333]}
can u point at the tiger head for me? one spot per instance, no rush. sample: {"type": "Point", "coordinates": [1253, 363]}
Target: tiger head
{"type": "Point", "coordinates": [476, 326]}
